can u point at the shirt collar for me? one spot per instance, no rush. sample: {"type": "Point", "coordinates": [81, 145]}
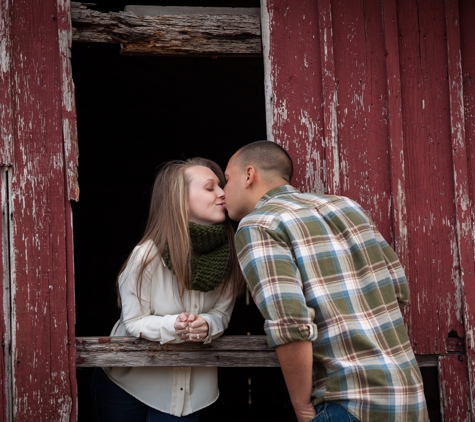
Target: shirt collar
{"type": "Point", "coordinates": [280, 190]}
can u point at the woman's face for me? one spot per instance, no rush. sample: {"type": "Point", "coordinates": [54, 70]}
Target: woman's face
{"type": "Point", "coordinates": [205, 197]}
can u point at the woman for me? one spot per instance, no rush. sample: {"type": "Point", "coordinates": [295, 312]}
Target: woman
{"type": "Point", "coordinates": [178, 284]}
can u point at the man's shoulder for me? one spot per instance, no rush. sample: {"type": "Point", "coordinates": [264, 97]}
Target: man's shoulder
{"type": "Point", "coordinates": [293, 201]}
{"type": "Point", "coordinates": [291, 207]}
{"type": "Point", "coordinates": [283, 207]}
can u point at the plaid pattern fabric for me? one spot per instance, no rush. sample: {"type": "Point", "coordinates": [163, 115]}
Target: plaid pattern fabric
{"type": "Point", "coordinates": [319, 270]}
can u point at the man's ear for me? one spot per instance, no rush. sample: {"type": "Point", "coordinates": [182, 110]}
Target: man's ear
{"type": "Point", "coordinates": [251, 175]}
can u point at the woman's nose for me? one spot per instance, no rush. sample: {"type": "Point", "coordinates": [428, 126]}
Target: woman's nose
{"type": "Point", "coordinates": [220, 193]}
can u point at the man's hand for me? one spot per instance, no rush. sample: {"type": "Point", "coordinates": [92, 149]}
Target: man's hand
{"type": "Point", "coordinates": [305, 413]}
{"type": "Point", "coordinates": [296, 361]}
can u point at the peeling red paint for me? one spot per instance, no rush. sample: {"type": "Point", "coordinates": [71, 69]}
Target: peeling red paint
{"type": "Point", "coordinates": [374, 99]}
{"type": "Point", "coordinates": [454, 389]}
{"type": "Point", "coordinates": [392, 135]}
{"type": "Point", "coordinates": [40, 254]}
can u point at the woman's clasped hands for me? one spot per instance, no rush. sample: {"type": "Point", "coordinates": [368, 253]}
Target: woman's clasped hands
{"type": "Point", "coordinates": [191, 327]}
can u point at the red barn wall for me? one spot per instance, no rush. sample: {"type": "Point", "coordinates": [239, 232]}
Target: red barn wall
{"type": "Point", "coordinates": [375, 101]}
{"type": "Point", "coordinates": [37, 181]}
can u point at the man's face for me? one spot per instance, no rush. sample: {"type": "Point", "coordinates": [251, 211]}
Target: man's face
{"type": "Point", "coordinates": [235, 191]}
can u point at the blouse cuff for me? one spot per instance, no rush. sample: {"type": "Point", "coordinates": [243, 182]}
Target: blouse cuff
{"type": "Point", "coordinates": [167, 329]}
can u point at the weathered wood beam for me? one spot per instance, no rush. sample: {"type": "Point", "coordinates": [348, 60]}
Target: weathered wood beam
{"type": "Point", "coordinates": [226, 351]}
{"type": "Point", "coordinates": [171, 30]}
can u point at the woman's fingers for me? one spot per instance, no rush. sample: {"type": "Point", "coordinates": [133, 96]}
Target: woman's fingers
{"type": "Point", "coordinates": [181, 325]}
{"type": "Point", "coordinates": [191, 327]}
{"type": "Point", "coordinates": [198, 328]}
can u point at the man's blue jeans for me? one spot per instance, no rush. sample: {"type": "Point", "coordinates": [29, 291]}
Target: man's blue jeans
{"type": "Point", "coordinates": [331, 412]}
{"type": "Point", "coordinates": [113, 404]}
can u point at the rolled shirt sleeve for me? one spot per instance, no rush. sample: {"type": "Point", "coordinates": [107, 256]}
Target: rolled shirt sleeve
{"type": "Point", "coordinates": [275, 284]}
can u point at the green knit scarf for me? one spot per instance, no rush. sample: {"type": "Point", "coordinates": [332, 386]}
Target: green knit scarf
{"type": "Point", "coordinates": [210, 267]}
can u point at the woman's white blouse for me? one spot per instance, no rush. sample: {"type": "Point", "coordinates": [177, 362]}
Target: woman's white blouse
{"type": "Point", "coordinates": [174, 390]}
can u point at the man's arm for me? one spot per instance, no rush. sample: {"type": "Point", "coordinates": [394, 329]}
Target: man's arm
{"type": "Point", "coordinates": [276, 286]}
{"type": "Point", "coordinates": [296, 361]}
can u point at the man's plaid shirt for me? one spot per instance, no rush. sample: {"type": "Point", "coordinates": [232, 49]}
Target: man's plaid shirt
{"type": "Point", "coordinates": [319, 270]}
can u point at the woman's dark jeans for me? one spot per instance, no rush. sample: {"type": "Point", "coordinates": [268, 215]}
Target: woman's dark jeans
{"type": "Point", "coordinates": [113, 404]}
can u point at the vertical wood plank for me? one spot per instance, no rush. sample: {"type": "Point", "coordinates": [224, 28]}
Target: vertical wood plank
{"type": "Point", "coordinates": [433, 268]}
{"type": "Point", "coordinates": [294, 78]}
{"type": "Point", "coordinates": [41, 284]}
{"type": "Point", "coordinates": [463, 201]}
{"type": "Point", "coordinates": [330, 99]}
{"type": "Point", "coordinates": [362, 107]}
{"type": "Point", "coordinates": [71, 153]}
{"type": "Point", "coordinates": [5, 305]}
{"type": "Point", "coordinates": [467, 29]}
{"type": "Point", "coordinates": [67, 101]}
{"type": "Point", "coordinates": [6, 130]}
{"type": "Point", "coordinates": [266, 40]}
{"type": "Point", "coordinates": [454, 389]}
{"type": "Point", "coordinates": [396, 131]}
{"type": "Point", "coordinates": [6, 149]}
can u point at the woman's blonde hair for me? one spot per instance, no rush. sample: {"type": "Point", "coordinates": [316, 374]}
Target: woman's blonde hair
{"type": "Point", "coordinates": [168, 224]}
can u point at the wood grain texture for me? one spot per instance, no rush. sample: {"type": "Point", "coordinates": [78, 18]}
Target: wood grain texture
{"type": "Point", "coordinates": [396, 122]}
{"type": "Point", "coordinates": [295, 79]}
{"type": "Point", "coordinates": [68, 106]}
{"type": "Point", "coordinates": [6, 118]}
{"type": "Point", "coordinates": [467, 35]}
{"type": "Point", "coordinates": [42, 285]}
{"type": "Point", "coordinates": [462, 181]}
{"type": "Point", "coordinates": [362, 114]}
{"type": "Point", "coordinates": [190, 34]}
{"type": "Point", "coordinates": [226, 351]}
{"type": "Point", "coordinates": [6, 385]}
{"type": "Point", "coordinates": [331, 175]}
{"type": "Point", "coordinates": [395, 131]}
{"type": "Point", "coordinates": [6, 151]}
{"type": "Point", "coordinates": [454, 389]}
{"type": "Point", "coordinates": [433, 268]}
{"type": "Point", "coordinates": [186, 10]}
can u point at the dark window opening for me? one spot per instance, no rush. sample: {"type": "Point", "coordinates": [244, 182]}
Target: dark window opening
{"type": "Point", "coordinates": [134, 113]}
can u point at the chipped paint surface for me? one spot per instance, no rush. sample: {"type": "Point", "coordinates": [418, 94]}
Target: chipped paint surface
{"type": "Point", "coordinates": [6, 143]}
{"type": "Point", "coordinates": [368, 116]}
{"type": "Point", "coordinates": [463, 202]}
{"type": "Point", "coordinates": [38, 93]}
{"type": "Point", "coordinates": [67, 97]}
{"type": "Point", "coordinates": [268, 82]}
{"type": "Point", "coordinates": [454, 384]}
{"type": "Point", "coordinates": [390, 133]}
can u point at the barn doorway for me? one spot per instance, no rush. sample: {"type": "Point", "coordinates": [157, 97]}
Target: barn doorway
{"type": "Point", "coordinates": [133, 114]}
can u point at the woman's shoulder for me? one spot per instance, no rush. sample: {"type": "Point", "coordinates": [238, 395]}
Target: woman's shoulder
{"type": "Point", "coordinates": [144, 254]}
{"type": "Point", "coordinates": [145, 248]}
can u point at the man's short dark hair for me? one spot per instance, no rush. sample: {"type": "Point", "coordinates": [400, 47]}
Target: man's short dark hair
{"type": "Point", "coordinates": [267, 157]}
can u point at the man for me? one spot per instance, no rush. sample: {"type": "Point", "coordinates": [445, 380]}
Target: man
{"type": "Point", "coordinates": [329, 288]}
